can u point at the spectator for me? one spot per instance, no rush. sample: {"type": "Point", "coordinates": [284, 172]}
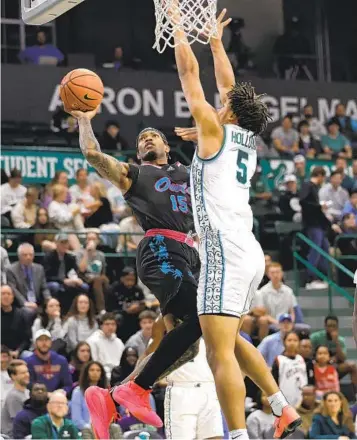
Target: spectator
{"type": "Point", "coordinates": [347, 182]}
{"type": "Point", "coordinates": [307, 408]}
{"type": "Point", "coordinates": [119, 207]}
{"type": "Point", "coordinates": [60, 178]}
{"type": "Point", "coordinates": [305, 350]}
{"type": "Point", "coordinates": [289, 200]}
{"type": "Point", "coordinates": [289, 369]}
{"type": "Point", "coordinates": [5, 264]}
{"type": "Point", "coordinates": [286, 139]}
{"type": "Point", "coordinates": [23, 215]}
{"type": "Point", "coordinates": [127, 365]}
{"type": "Point", "coordinates": [260, 193]}
{"type": "Point", "coordinates": [141, 338]}
{"type": "Point", "coordinates": [316, 128]}
{"type": "Point", "coordinates": [54, 425]}
{"type": "Point", "coordinates": [131, 240]}
{"type": "Point", "coordinates": [118, 62]}
{"type": "Point", "coordinates": [80, 356]}
{"type": "Point", "coordinates": [336, 344]}
{"type": "Point", "coordinates": [65, 125]}
{"type": "Point", "coordinates": [65, 216]}
{"type": "Point", "coordinates": [80, 321]}
{"type": "Point", "coordinates": [27, 279]}
{"type": "Point", "coordinates": [6, 382]}
{"type": "Point", "coordinates": [300, 170]}
{"type": "Point", "coordinates": [48, 367]}
{"type": "Point", "coordinates": [111, 139]}
{"type": "Point", "coordinates": [12, 192]}
{"type": "Point", "coordinates": [308, 146]}
{"type": "Point", "coordinates": [326, 377]}
{"type": "Point", "coordinates": [348, 125]}
{"type": "Point", "coordinates": [351, 205]}
{"type": "Point", "coordinates": [334, 196]}
{"type": "Point", "coordinates": [273, 345]}
{"type": "Point", "coordinates": [15, 328]}
{"type": "Point", "coordinates": [93, 374]}
{"type": "Point", "coordinates": [99, 210]}
{"type": "Point", "coordinates": [106, 348]}
{"type": "Point", "coordinates": [315, 223]}
{"type": "Point", "coordinates": [332, 419]}
{"type": "Point", "coordinates": [34, 407]}
{"type": "Point", "coordinates": [261, 419]}
{"type": "Point", "coordinates": [335, 144]}
{"type": "Point", "coordinates": [263, 151]}
{"type": "Point", "coordinates": [62, 273]}
{"type": "Point", "coordinates": [127, 298]}
{"type": "Point", "coordinates": [92, 266]}
{"type": "Point", "coordinates": [42, 52]}
{"type": "Point", "coordinates": [15, 398]}
{"type": "Point", "coordinates": [50, 319]}
{"type": "Point", "coordinates": [80, 191]}
{"type": "Point", "coordinates": [43, 241]}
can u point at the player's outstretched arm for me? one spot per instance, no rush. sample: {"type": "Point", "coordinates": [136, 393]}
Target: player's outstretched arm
{"type": "Point", "coordinates": [107, 166]}
{"type": "Point", "coordinates": [222, 66]}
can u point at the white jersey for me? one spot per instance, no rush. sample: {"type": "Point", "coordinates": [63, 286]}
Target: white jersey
{"type": "Point", "coordinates": [292, 377]}
{"type": "Point", "coordinates": [220, 185]}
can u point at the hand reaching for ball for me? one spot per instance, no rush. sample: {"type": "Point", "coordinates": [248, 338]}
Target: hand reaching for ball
{"type": "Point", "coordinates": [79, 115]}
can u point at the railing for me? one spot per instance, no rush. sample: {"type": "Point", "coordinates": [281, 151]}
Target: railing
{"type": "Point", "coordinates": [329, 278]}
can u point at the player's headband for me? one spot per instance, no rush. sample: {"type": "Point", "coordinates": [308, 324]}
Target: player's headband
{"type": "Point", "coordinates": [160, 133]}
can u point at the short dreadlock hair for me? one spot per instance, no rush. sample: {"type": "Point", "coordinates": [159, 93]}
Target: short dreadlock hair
{"type": "Point", "coordinates": [250, 110]}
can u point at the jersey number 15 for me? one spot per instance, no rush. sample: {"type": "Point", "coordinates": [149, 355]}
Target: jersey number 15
{"type": "Point", "coordinates": [242, 160]}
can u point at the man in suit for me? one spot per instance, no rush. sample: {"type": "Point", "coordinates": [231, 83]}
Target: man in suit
{"type": "Point", "coordinates": [62, 273]}
{"type": "Point", "coordinates": [27, 279]}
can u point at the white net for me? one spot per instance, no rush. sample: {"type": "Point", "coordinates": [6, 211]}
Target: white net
{"type": "Point", "coordinates": [197, 20]}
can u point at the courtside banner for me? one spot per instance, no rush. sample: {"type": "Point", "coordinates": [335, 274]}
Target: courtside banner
{"type": "Point", "coordinates": [140, 98]}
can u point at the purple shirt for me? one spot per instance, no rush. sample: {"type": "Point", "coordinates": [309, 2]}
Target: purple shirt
{"type": "Point", "coordinates": [32, 54]}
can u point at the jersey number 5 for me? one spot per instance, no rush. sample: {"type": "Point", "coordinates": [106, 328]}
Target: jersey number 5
{"type": "Point", "coordinates": [179, 203]}
{"type": "Point", "coordinates": [242, 167]}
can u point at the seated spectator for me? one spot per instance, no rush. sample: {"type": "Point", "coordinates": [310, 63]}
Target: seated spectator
{"type": "Point", "coordinates": [316, 128]}
{"type": "Point", "coordinates": [118, 60]}
{"type": "Point", "coordinates": [4, 264]}
{"type": "Point", "coordinates": [326, 377]}
{"type": "Point", "coordinates": [111, 138]}
{"type": "Point", "coordinates": [54, 425]}
{"type": "Point", "coordinates": [43, 241]}
{"type": "Point", "coordinates": [286, 139]}
{"type": "Point", "coordinates": [273, 345]}
{"type": "Point", "coordinates": [348, 182]}
{"type": "Point", "coordinates": [12, 192]}
{"type": "Point", "coordinates": [80, 356]}
{"type": "Point", "coordinates": [334, 196]}
{"type": "Point", "coordinates": [119, 207]}
{"type": "Point", "coordinates": [132, 230]}
{"type": "Point", "coordinates": [27, 279]}
{"type": "Point", "coordinates": [289, 200]}
{"type": "Point", "coordinates": [80, 191]}
{"type": "Point", "coordinates": [140, 339]}
{"type": "Point", "coordinates": [289, 369]}
{"type": "Point", "coordinates": [48, 367]}
{"type": "Point", "coordinates": [50, 319]}
{"type": "Point", "coordinates": [261, 419]}
{"type": "Point", "coordinates": [335, 144]}
{"type": "Point", "coordinates": [127, 365]}
{"type": "Point", "coordinates": [300, 170]}
{"type": "Point", "coordinates": [99, 209]}
{"type": "Point", "coordinates": [15, 325]}
{"type": "Point", "coordinates": [93, 374]}
{"type": "Point", "coordinates": [62, 273]}
{"type": "Point", "coordinates": [92, 267]}
{"type": "Point", "coordinates": [332, 418]}
{"type": "Point", "coordinates": [127, 298]}
{"type": "Point", "coordinates": [23, 215]}
{"type": "Point", "coordinates": [60, 178]}
{"type": "Point", "coordinates": [42, 52]}
{"type": "Point", "coordinates": [351, 205]}
{"type": "Point", "coordinates": [15, 398]}
{"type": "Point", "coordinates": [336, 344]}
{"type": "Point", "coordinates": [6, 382]}
{"type": "Point", "coordinates": [308, 146]}
{"type": "Point", "coordinates": [106, 348]}
{"type": "Point", "coordinates": [263, 151]}
{"type": "Point", "coordinates": [35, 406]}
{"type": "Point", "coordinates": [307, 408]}
{"type": "Point", "coordinates": [65, 216]}
{"type": "Point", "coordinates": [348, 125]}
{"type": "Point", "coordinates": [305, 350]}
{"type": "Point", "coordinates": [260, 193]}
{"type": "Point", "coordinates": [80, 321]}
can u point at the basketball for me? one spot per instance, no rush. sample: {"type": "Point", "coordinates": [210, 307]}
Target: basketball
{"type": "Point", "coordinates": [81, 89]}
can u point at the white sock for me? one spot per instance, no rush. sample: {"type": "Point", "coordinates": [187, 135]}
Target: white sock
{"type": "Point", "coordinates": [277, 402]}
{"type": "Point", "coordinates": [242, 434]}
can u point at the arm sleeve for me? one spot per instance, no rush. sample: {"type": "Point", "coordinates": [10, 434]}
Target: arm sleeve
{"type": "Point", "coordinates": [93, 349]}
{"type": "Point", "coordinates": [59, 215]}
{"type": "Point", "coordinates": [36, 326]}
{"type": "Point", "coordinates": [20, 429]}
{"type": "Point", "coordinates": [37, 430]}
{"type": "Point", "coordinates": [275, 370]}
{"type": "Point", "coordinates": [316, 430]}
{"type": "Point", "coordinates": [76, 410]}
{"type": "Point", "coordinates": [44, 290]}
{"type": "Point", "coordinates": [72, 334]}
{"type": "Point", "coordinates": [253, 426]}
{"type": "Point", "coordinates": [17, 217]}
{"type": "Point", "coordinates": [262, 347]}
{"type": "Point", "coordinates": [66, 377]}
{"type": "Point", "coordinates": [11, 280]}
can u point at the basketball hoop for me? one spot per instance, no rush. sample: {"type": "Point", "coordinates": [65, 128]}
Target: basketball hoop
{"type": "Point", "coordinates": [197, 20]}
{"type": "Point", "coordinates": [38, 12]}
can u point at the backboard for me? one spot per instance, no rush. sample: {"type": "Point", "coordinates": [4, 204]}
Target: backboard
{"type": "Point", "coordinates": [38, 12]}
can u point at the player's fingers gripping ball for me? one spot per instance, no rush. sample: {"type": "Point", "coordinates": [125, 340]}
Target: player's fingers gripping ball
{"type": "Point", "coordinates": [81, 89]}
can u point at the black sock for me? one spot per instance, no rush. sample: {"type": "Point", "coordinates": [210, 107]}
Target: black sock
{"type": "Point", "coordinates": [172, 347]}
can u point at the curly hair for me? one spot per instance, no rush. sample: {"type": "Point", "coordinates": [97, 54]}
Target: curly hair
{"type": "Point", "coordinates": [251, 112]}
{"type": "Point", "coordinates": [344, 416]}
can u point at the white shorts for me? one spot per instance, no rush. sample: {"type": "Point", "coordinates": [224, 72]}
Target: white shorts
{"type": "Point", "coordinates": [192, 412]}
{"type": "Point", "coordinates": [232, 267]}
